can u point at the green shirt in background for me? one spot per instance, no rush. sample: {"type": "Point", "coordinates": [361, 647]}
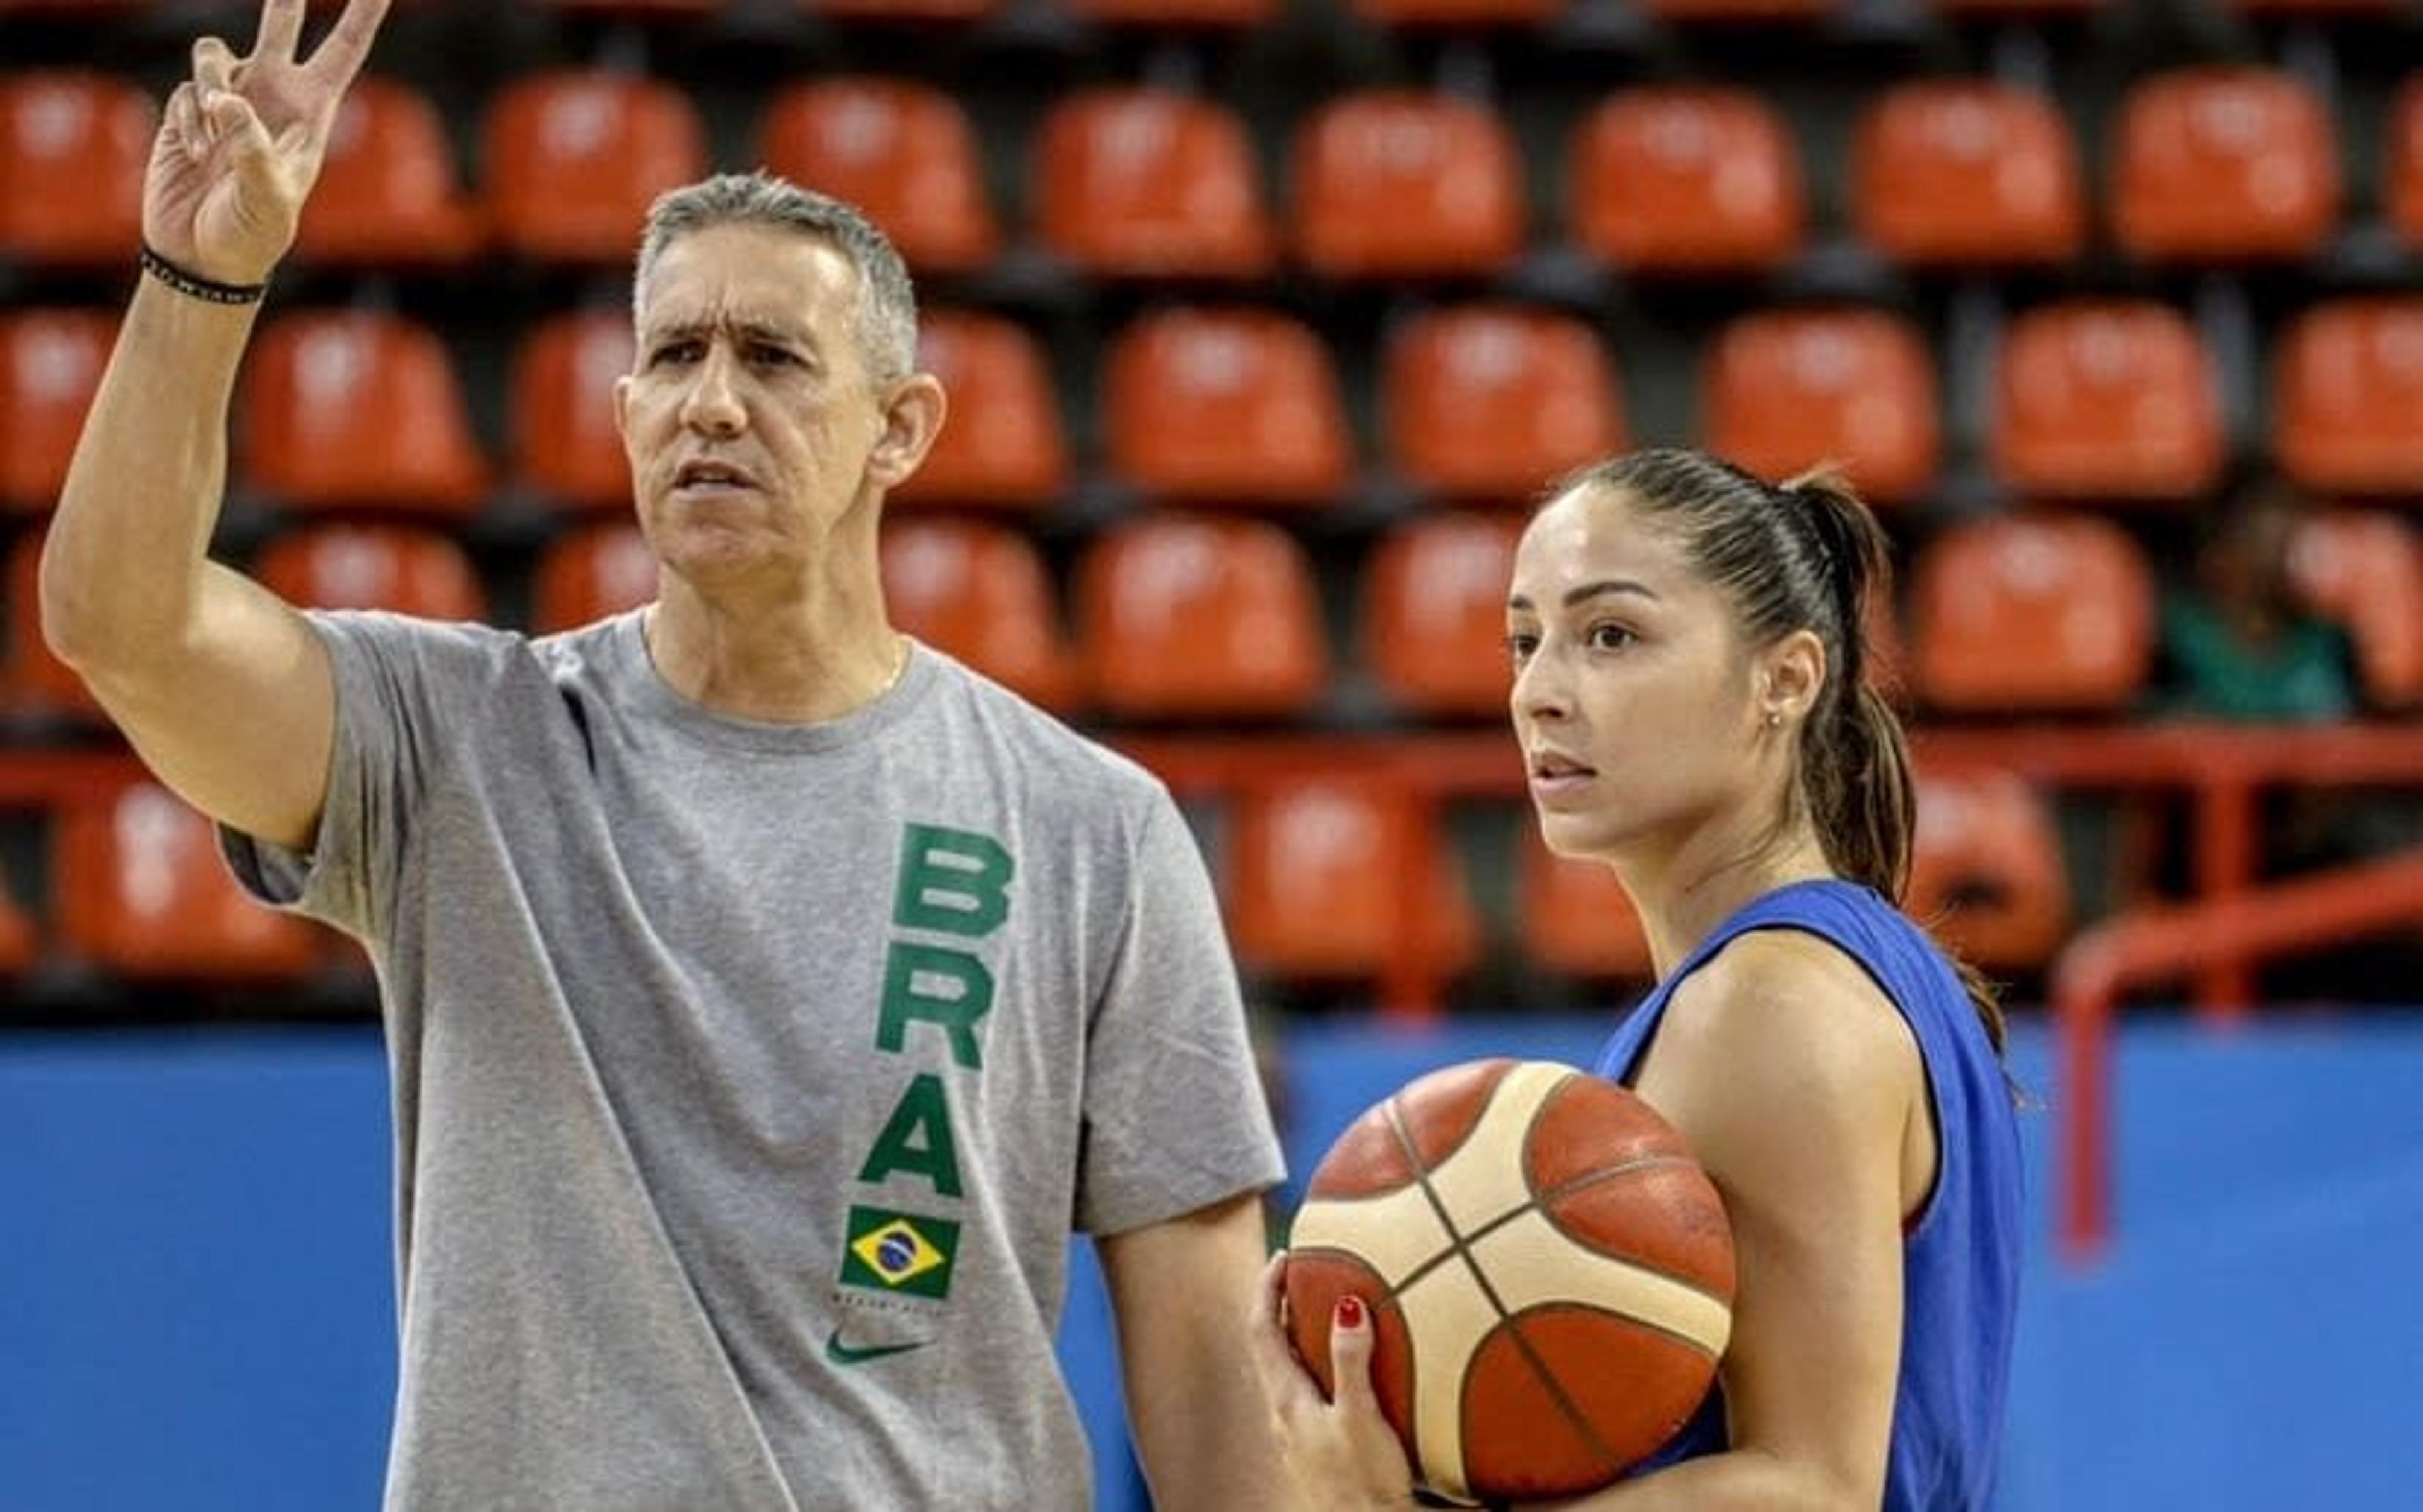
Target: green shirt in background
{"type": "Point", "coordinates": [2300, 676]}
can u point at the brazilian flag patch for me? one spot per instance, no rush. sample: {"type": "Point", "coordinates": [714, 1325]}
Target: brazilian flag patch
{"type": "Point", "coordinates": [899, 1252]}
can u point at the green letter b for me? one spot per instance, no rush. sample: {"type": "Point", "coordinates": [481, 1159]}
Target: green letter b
{"type": "Point", "coordinates": [952, 881]}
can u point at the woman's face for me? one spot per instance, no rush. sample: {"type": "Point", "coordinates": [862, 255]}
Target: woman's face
{"type": "Point", "coordinates": [1633, 700]}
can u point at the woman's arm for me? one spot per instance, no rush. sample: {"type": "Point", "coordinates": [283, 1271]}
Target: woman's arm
{"type": "Point", "coordinates": [1801, 1092]}
{"type": "Point", "coordinates": [1795, 1082]}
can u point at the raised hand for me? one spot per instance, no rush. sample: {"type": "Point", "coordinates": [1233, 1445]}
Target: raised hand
{"type": "Point", "coordinates": [241, 140]}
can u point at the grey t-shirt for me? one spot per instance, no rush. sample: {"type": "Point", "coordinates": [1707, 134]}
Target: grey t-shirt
{"type": "Point", "coordinates": [750, 1079]}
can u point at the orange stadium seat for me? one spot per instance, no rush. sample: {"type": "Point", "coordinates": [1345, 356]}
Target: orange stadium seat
{"type": "Point", "coordinates": [1782, 391]}
{"type": "Point", "coordinates": [2224, 165]}
{"type": "Point", "coordinates": [1405, 183]}
{"type": "Point", "coordinates": [2346, 397]}
{"type": "Point", "coordinates": [2107, 399]}
{"type": "Point", "coordinates": [1189, 617]}
{"type": "Point", "coordinates": [388, 192]}
{"type": "Point", "coordinates": [1147, 182]}
{"type": "Point", "coordinates": [1986, 871]}
{"type": "Point", "coordinates": [590, 573]}
{"type": "Point", "coordinates": [902, 151]}
{"type": "Point", "coordinates": [20, 942]}
{"type": "Point", "coordinates": [1966, 173]}
{"type": "Point", "coordinates": [1574, 918]}
{"type": "Point", "coordinates": [575, 156]}
{"type": "Point", "coordinates": [980, 592]}
{"type": "Point", "coordinates": [50, 362]}
{"type": "Point", "coordinates": [2403, 194]}
{"type": "Point", "coordinates": [356, 409]}
{"type": "Point", "coordinates": [2364, 569]}
{"type": "Point", "coordinates": [139, 890]}
{"type": "Point", "coordinates": [406, 569]}
{"type": "Point", "coordinates": [74, 146]}
{"type": "Point", "coordinates": [1002, 445]}
{"type": "Point", "coordinates": [1224, 406]}
{"type": "Point", "coordinates": [1684, 179]}
{"type": "Point", "coordinates": [1493, 401]}
{"type": "Point", "coordinates": [2032, 612]}
{"type": "Point", "coordinates": [565, 444]}
{"type": "Point", "coordinates": [1330, 881]}
{"type": "Point", "coordinates": [1434, 613]}
{"type": "Point", "coordinates": [32, 680]}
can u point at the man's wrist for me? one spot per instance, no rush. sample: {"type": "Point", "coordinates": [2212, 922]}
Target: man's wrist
{"type": "Point", "coordinates": [194, 286]}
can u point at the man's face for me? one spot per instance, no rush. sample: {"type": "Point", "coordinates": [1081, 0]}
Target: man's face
{"type": "Point", "coordinates": [750, 418]}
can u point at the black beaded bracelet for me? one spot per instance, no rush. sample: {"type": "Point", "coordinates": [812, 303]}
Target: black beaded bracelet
{"type": "Point", "coordinates": [196, 287]}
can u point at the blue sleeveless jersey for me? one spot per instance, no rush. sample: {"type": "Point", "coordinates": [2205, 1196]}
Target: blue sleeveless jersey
{"type": "Point", "coordinates": [1960, 1257]}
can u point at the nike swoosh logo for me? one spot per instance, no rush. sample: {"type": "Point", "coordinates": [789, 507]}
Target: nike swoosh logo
{"type": "Point", "coordinates": [843, 1354]}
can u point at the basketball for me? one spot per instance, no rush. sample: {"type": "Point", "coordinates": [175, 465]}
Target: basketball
{"type": "Point", "coordinates": [1548, 1272]}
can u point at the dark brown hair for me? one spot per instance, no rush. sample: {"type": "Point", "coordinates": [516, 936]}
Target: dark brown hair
{"type": "Point", "coordinates": [1805, 554]}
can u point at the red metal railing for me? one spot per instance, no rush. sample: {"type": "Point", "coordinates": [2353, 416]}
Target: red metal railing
{"type": "Point", "coordinates": [2164, 945]}
{"type": "Point", "coordinates": [2215, 941]}
{"type": "Point", "coordinates": [2221, 769]}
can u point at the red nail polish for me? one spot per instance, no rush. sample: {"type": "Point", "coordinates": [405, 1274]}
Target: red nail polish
{"type": "Point", "coordinates": [1350, 1311]}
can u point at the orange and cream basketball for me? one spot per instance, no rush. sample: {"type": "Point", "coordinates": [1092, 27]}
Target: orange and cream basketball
{"type": "Point", "coordinates": [1548, 1272]}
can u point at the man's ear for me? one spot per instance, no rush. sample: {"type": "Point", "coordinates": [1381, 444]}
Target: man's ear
{"type": "Point", "coordinates": [912, 417]}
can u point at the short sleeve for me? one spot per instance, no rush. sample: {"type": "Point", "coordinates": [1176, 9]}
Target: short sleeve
{"type": "Point", "coordinates": [1175, 1114]}
{"type": "Point", "coordinates": [404, 688]}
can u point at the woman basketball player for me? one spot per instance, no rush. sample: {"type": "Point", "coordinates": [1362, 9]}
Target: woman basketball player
{"type": "Point", "coordinates": [1690, 697]}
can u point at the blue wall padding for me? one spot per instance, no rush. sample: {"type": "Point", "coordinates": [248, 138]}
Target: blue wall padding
{"type": "Point", "coordinates": [196, 1311]}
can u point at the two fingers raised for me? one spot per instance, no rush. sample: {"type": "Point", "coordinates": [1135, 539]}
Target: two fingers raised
{"type": "Point", "coordinates": [331, 67]}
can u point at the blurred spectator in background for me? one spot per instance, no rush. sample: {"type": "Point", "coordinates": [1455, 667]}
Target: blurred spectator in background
{"type": "Point", "coordinates": [2238, 642]}
{"type": "Point", "coordinates": [2241, 643]}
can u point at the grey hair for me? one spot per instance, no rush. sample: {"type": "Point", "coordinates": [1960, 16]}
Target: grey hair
{"type": "Point", "coordinates": [887, 303]}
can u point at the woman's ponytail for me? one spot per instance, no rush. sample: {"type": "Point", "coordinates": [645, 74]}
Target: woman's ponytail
{"type": "Point", "coordinates": [1855, 757]}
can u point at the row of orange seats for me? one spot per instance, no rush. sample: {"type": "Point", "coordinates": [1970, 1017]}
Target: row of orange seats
{"type": "Point", "coordinates": [2207, 164]}
{"type": "Point", "coordinates": [1309, 876]}
{"type": "Point", "coordinates": [1197, 617]}
{"type": "Point", "coordinates": [1326, 879]}
{"type": "Point", "coordinates": [2097, 400]}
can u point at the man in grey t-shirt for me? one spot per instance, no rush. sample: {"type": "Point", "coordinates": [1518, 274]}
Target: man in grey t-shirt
{"type": "Point", "coordinates": [768, 996]}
